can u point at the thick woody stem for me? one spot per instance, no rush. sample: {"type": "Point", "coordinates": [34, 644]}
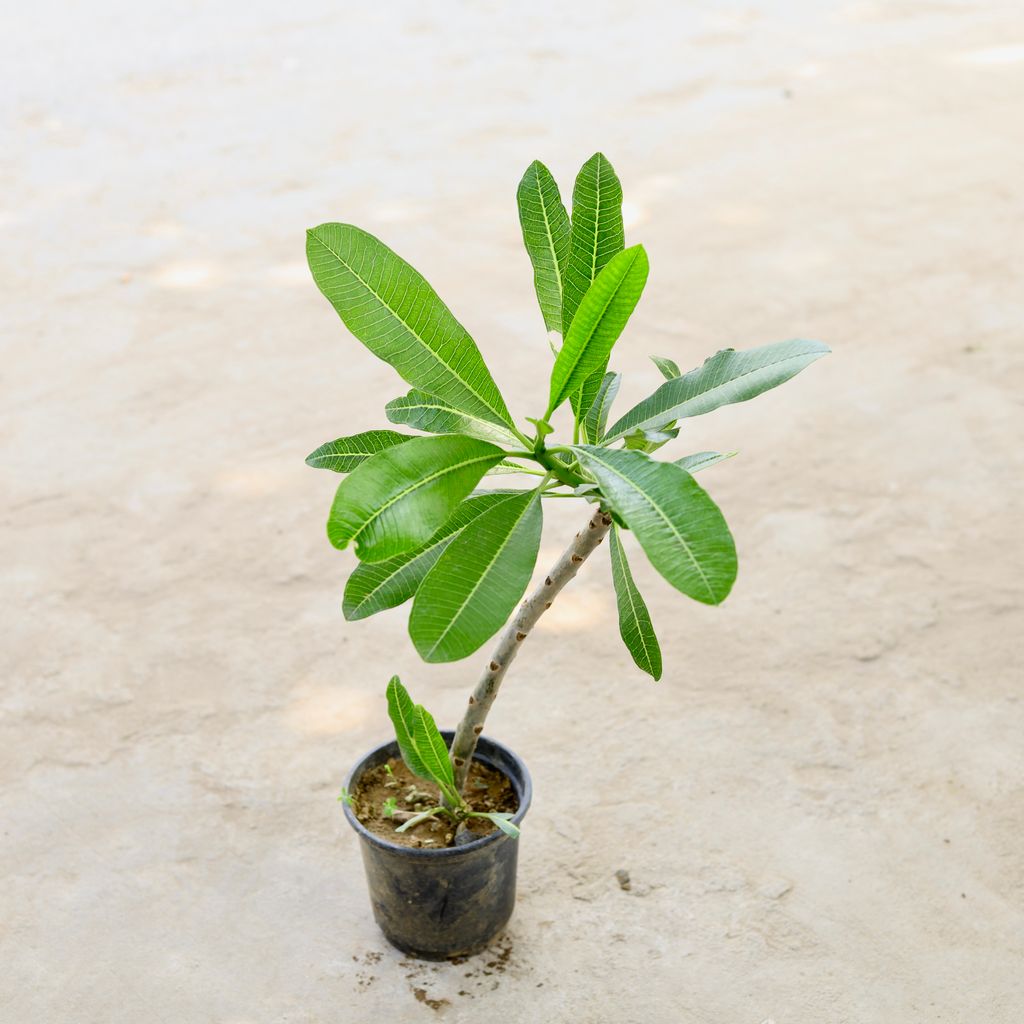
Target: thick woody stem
{"type": "Point", "coordinates": [516, 632]}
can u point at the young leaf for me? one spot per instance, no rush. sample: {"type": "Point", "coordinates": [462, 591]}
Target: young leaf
{"type": "Point", "coordinates": [669, 368]}
{"type": "Point", "coordinates": [634, 619]}
{"type": "Point", "coordinates": [597, 233]}
{"type": "Point", "coordinates": [401, 711]}
{"type": "Point", "coordinates": [432, 750]}
{"type": "Point", "coordinates": [507, 466]}
{"type": "Point", "coordinates": [477, 581]}
{"type": "Point", "coordinates": [546, 237]}
{"type": "Point", "coordinates": [651, 440]}
{"type": "Point", "coordinates": [395, 500]}
{"type": "Point", "coordinates": [701, 460]}
{"type": "Point", "coordinates": [392, 310]}
{"type": "Point", "coordinates": [425, 412]}
{"type": "Point", "coordinates": [374, 586]}
{"type": "Point", "coordinates": [680, 528]}
{"type": "Point", "coordinates": [501, 819]}
{"type": "Point", "coordinates": [343, 455]}
{"type": "Point", "coordinates": [597, 414]}
{"type": "Point", "coordinates": [598, 323]}
{"type": "Point", "coordinates": [728, 376]}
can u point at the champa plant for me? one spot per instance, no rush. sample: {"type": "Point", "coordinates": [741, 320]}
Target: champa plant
{"type": "Point", "coordinates": [465, 557]}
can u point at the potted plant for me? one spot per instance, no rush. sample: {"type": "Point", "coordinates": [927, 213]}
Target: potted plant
{"type": "Point", "coordinates": [439, 813]}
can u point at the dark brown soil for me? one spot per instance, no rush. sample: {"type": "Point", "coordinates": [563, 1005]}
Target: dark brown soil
{"type": "Point", "coordinates": [487, 790]}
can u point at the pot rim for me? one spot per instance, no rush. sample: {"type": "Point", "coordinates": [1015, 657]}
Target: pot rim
{"type": "Point", "coordinates": [523, 787]}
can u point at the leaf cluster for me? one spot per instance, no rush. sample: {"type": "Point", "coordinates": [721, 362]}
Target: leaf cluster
{"type": "Point", "coordinates": [411, 505]}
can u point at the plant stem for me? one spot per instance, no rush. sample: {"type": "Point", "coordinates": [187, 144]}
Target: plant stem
{"type": "Point", "coordinates": [515, 633]}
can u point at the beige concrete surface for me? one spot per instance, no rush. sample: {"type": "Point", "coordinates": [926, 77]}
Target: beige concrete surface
{"type": "Point", "coordinates": [820, 804]}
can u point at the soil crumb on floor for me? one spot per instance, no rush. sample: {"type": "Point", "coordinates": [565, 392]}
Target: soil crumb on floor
{"type": "Point", "coordinates": [394, 786]}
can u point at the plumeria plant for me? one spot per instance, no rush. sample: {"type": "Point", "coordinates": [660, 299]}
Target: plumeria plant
{"type": "Point", "coordinates": [411, 506]}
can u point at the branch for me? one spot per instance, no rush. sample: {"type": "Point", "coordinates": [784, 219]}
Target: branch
{"type": "Point", "coordinates": [516, 632]}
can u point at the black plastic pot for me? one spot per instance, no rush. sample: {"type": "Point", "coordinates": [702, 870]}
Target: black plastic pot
{"type": "Point", "coordinates": [435, 904]}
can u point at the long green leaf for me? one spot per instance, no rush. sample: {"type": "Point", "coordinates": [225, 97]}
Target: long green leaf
{"type": "Point", "coordinates": [546, 236]}
{"type": "Point", "coordinates": [435, 416]}
{"type": "Point", "coordinates": [596, 418]}
{"type": "Point", "coordinates": [728, 376]}
{"type": "Point", "coordinates": [395, 500]}
{"type": "Point", "coordinates": [680, 528]}
{"type": "Point", "coordinates": [401, 711]}
{"type": "Point", "coordinates": [375, 586]}
{"type": "Point", "coordinates": [432, 749]}
{"type": "Point", "coordinates": [475, 584]}
{"type": "Point", "coordinates": [598, 323]}
{"type": "Point", "coordinates": [392, 310]}
{"type": "Point", "coordinates": [501, 819]}
{"type": "Point", "coordinates": [597, 233]}
{"type": "Point", "coordinates": [634, 619]}
{"type": "Point", "coordinates": [344, 454]}
{"type": "Point", "coordinates": [701, 460]}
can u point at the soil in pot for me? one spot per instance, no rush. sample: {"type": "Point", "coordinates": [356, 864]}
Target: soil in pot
{"type": "Point", "coordinates": [488, 790]}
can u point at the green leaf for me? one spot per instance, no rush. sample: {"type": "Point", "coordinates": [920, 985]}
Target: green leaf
{"type": "Point", "coordinates": [701, 460]}
{"type": "Point", "coordinates": [501, 819]}
{"type": "Point", "coordinates": [343, 455]}
{"type": "Point", "coordinates": [728, 376]}
{"type": "Point", "coordinates": [634, 618]}
{"type": "Point", "coordinates": [397, 499]}
{"type": "Point", "coordinates": [477, 581]}
{"type": "Point", "coordinates": [432, 749]}
{"type": "Point", "coordinates": [598, 323]}
{"type": "Point", "coordinates": [546, 235]}
{"type": "Point", "coordinates": [435, 416]}
{"type": "Point", "coordinates": [401, 711]}
{"type": "Point", "coordinates": [651, 440]}
{"type": "Point", "coordinates": [375, 586]}
{"type": "Point", "coordinates": [597, 414]}
{"type": "Point", "coordinates": [669, 368]}
{"type": "Point", "coordinates": [597, 233]}
{"type": "Point", "coordinates": [680, 528]}
{"type": "Point", "coordinates": [543, 427]}
{"type": "Point", "coordinates": [392, 310]}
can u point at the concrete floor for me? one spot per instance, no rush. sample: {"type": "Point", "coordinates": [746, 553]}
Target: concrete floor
{"type": "Point", "coordinates": [820, 804]}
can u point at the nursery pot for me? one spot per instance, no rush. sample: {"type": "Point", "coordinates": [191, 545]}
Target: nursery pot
{"type": "Point", "coordinates": [435, 904]}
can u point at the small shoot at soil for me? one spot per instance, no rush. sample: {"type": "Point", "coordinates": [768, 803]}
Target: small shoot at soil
{"type": "Point", "coordinates": [425, 754]}
{"type": "Point", "coordinates": [412, 507]}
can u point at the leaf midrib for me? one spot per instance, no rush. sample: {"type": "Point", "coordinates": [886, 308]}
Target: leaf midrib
{"type": "Point", "coordinates": [550, 240]}
{"type": "Point", "coordinates": [451, 369]}
{"type": "Point", "coordinates": [597, 221]}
